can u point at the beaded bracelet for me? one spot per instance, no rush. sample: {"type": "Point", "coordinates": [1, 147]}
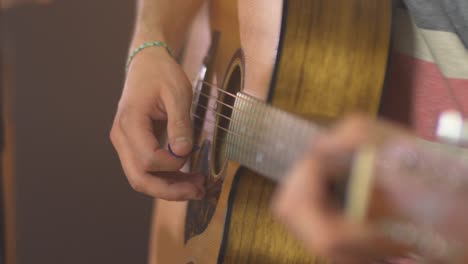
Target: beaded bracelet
{"type": "Point", "coordinates": [144, 46]}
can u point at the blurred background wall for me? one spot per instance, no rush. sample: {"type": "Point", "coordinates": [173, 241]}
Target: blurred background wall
{"type": "Point", "coordinates": [73, 203]}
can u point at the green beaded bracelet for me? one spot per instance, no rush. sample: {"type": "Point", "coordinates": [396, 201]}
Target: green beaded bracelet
{"type": "Point", "coordinates": [144, 46]}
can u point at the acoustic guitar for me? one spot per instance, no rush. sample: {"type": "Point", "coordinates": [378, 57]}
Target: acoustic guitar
{"type": "Point", "coordinates": [273, 74]}
{"type": "Point", "coordinates": [270, 65]}
{"type": "Point", "coordinates": [316, 60]}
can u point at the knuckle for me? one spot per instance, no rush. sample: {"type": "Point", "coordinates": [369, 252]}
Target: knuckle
{"type": "Point", "coordinates": [125, 113]}
{"type": "Point", "coordinates": [137, 185]}
{"type": "Point", "coordinates": [181, 124]}
{"type": "Point", "coordinates": [113, 136]}
{"type": "Point", "coordinates": [124, 119]}
{"type": "Point", "coordinates": [172, 197]}
{"type": "Point", "coordinates": [180, 197]}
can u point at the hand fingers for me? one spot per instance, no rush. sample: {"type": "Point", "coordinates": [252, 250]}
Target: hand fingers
{"type": "Point", "coordinates": [346, 136]}
{"type": "Point", "coordinates": [179, 125]}
{"type": "Point", "coordinates": [136, 126]}
{"type": "Point", "coordinates": [303, 205]}
{"type": "Point", "coordinates": [156, 89]}
{"type": "Point", "coordinates": [303, 202]}
{"type": "Point", "coordinates": [173, 186]}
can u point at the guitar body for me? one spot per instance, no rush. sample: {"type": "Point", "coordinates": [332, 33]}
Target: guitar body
{"type": "Point", "coordinates": [318, 59]}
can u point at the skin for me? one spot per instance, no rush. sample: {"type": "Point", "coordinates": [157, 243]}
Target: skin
{"type": "Point", "coordinates": [157, 91]}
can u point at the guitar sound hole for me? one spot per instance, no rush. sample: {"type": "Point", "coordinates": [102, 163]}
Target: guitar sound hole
{"type": "Point", "coordinates": [233, 85]}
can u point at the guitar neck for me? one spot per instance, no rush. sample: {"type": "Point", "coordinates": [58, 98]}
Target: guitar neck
{"type": "Point", "coordinates": [266, 139]}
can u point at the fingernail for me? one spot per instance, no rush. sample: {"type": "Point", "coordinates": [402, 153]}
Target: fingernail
{"type": "Point", "coordinates": [182, 145]}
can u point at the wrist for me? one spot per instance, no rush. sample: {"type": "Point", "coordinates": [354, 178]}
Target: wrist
{"type": "Point", "coordinates": [155, 32]}
{"type": "Point", "coordinates": [153, 45]}
{"type": "Point", "coordinates": [143, 36]}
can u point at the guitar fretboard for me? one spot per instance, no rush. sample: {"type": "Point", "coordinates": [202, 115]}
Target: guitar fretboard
{"type": "Point", "coordinates": [269, 140]}
{"type": "Point", "coordinates": [265, 139]}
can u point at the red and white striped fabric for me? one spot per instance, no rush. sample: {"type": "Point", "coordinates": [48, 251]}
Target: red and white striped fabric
{"type": "Point", "coordinates": [429, 66]}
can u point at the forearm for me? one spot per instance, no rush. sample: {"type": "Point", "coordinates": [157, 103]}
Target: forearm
{"type": "Point", "coordinates": [164, 20]}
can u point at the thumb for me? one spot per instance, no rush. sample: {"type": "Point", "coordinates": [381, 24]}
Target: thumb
{"type": "Point", "coordinates": [179, 124]}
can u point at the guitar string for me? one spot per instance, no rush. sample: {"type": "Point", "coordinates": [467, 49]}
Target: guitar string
{"type": "Point", "coordinates": [239, 146]}
{"type": "Point", "coordinates": [214, 122]}
{"type": "Point", "coordinates": [227, 93]}
{"type": "Point", "coordinates": [225, 140]}
{"type": "Point", "coordinates": [218, 88]}
{"type": "Point", "coordinates": [216, 111]}
{"type": "Point", "coordinates": [218, 101]}
{"type": "Point", "coordinates": [252, 102]}
{"type": "Point", "coordinates": [221, 102]}
{"type": "Point", "coordinates": [209, 109]}
{"type": "Point", "coordinates": [226, 129]}
{"type": "Point", "coordinates": [250, 138]}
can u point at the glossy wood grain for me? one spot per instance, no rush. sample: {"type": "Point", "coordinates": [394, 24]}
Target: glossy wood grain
{"type": "Point", "coordinates": [254, 234]}
{"type": "Point", "coordinates": [333, 57]}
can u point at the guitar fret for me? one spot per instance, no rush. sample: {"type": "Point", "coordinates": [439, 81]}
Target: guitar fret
{"type": "Point", "coordinates": [231, 137]}
{"type": "Point", "coordinates": [277, 134]}
{"type": "Point", "coordinates": [246, 129]}
{"type": "Point", "coordinates": [251, 122]}
{"type": "Point", "coordinates": [260, 154]}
